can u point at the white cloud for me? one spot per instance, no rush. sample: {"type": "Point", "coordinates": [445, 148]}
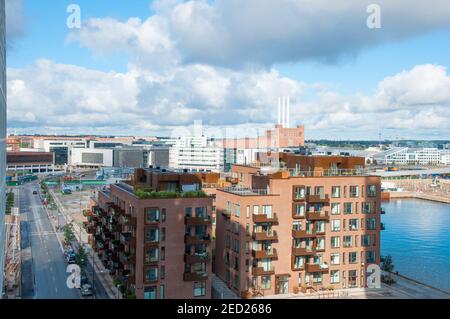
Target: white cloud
{"type": "Point", "coordinates": [235, 33]}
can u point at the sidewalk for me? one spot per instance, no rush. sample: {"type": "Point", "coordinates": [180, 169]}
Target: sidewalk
{"type": "Point", "coordinates": [100, 271]}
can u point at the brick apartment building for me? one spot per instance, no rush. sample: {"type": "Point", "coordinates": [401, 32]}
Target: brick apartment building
{"type": "Point", "coordinates": [313, 224]}
{"type": "Point", "coordinates": [154, 234]}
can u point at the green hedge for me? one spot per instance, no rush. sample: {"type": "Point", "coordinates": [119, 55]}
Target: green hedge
{"type": "Point", "coordinates": [167, 194]}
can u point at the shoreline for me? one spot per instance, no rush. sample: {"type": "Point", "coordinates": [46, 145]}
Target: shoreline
{"type": "Point", "coordinates": [434, 198]}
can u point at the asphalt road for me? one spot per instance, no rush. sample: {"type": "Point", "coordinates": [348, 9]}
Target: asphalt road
{"type": "Point", "coordinates": [44, 267]}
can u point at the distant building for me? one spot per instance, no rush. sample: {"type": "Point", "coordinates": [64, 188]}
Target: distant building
{"type": "Point", "coordinates": [34, 162]}
{"type": "Point", "coordinates": [196, 154]}
{"type": "Point", "coordinates": [413, 156]}
{"type": "Point", "coordinates": [90, 157]}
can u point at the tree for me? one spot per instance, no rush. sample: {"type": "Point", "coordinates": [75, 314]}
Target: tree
{"type": "Point", "coordinates": [388, 266]}
{"type": "Point", "coordinates": [68, 233]}
{"type": "Point", "coordinates": [81, 257]}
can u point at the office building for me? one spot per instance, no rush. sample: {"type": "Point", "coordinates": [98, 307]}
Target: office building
{"type": "Point", "coordinates": [32, 162]}
{"type": "Point", "coordinates": [154, 234]}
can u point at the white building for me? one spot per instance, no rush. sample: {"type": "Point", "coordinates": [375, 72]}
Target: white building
{"type": "Point", "coordinates": [90, 157]}
{"type": "Point", "coordinates": [413, 156]}
{"type": "Point", "coordinates": [2, 140]}
{"type": "Point", "coordinates": [196, 154]}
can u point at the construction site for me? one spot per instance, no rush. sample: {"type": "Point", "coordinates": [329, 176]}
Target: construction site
{"type": "Point", "coordinates": [13, 255]}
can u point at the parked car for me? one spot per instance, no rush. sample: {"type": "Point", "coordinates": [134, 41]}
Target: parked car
{"type": "Point", "coordinates": [86, 290]}
{"type": "Point", "coordinates": [71, 258]}
{"type": "Point", "coordinates": [34, 192]}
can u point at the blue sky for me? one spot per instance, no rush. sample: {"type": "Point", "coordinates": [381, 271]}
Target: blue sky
{"type": "Point", "coordinates": [45, 37]}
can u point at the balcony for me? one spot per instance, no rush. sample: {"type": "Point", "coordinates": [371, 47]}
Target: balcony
{"type": "Point", "coordinates": [196, 258]}
{"type": "Point", "coordinates": [195, 240]}
{"type": "Point", "coordinates": [318, 199]}
{"type": "Point", "coordinates": [263, 218]}
{"type": "Point", "coordinates": [317, 268]}
{"type": "Point", "coordinates": [196, 221]}
{"type": "Point", "coordinates": [302, 251]}
{"type": "Point", "coordinates": [382, 226]}
{"type": "Point", "coordinates": [126, 238]}
{"type": "Point", "coordinates": [265, 235]}
{"type": "Point", "coordinates": [265, 253]}
{"type": "Point", "coordinates": [313, 216]}
{"type": "Point", "coordinates": [127, 258]}
{"type": "Point", "coordinates": [260, 271]}
{"type": "Point", "coordinates": [302, 234]}
{"type": "Point", "coordinates": [382, 212]}
{"type": "Point", "coordinates": [226, 213]}
{"type": "Point", "coordinates": [193, 276]}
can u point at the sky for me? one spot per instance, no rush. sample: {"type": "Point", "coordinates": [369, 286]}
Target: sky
{"type": "Point", "coordinates": [140, 67]}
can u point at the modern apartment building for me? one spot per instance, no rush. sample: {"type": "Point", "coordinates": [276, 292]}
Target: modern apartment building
{"type": "Point", "coordinates": [2, 139]}
{"type": "Point", "coordinates": [313, 224]}
{"type": "Point", "coordinates": [154, 234]}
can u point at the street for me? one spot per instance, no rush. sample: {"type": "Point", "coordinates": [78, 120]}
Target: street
{"type": "Point", "coordinates": [44, 267]}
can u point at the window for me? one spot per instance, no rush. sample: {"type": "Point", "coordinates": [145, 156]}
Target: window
{"type": "Point", "coordinates": [352, 278]}
{"type": "Point", "coordinates": [371, 223]}
{"type": "Point", "coordinates": [365, 240]}
{"type": "Point", "coordinates": [151, 254]}
{"type": "Point", "coordinates": [247, 212]}
{"type": "Point", "coordinates": [320, 243]}
{"type": "Point", "coordinates": [348, 241]}
{"type": "Point", "coordinates": [372, 191]}
{"type": "Point", "coordinates": [163, 253]}
{"type": "Point", "coordinates": [299, 262]}
{"type": "Point", "coordinates": [200, 289]}
{"type": "Point", "coordinates": [354, 191]}
{"type": "Point", "coordinates": [334, 276]}
{"type": "Point", "coordinates": [151, 235]}
{"type": "Point", "coordinates": [236, 263]}
{"type": "Point", "coordinates": [335, 208]}
{"type": "Point", "coordinates": [255, 210]}
{"type": "Point", "coordinates": [352, 257]}
{"type": "Point", "coordinates": [163, 215]}
{"type": "Point", "coordinates": [299, 210]}
{"type": "Point", "coordinates": [370, 256]}
{"type": "Point", "coordinates": [236, 281]}
{"type": "Point", "coordinates": [335, 242]}
{"type": "Point", "coordinates": [299, 192]}
{"type": "Point", "coordinates": [228, 207]}
{"type": "Point", "coordinates": [353, 224]}
{"type": "Point", "coordinates": [161, 292]}
{"type": "Point", "coordinates": [163, 234]}
{"type": "Point", "coordinates": [237, 210]}
{"type": "Point", "coordinates": [335, 259]}
{"type": "Point", "coordinates": [200, 212]}
{"type": "Point", "coordinates": [348, 208]}
{"type": "Point", "coordinates": [151, 274]}
{"type": "Point", "coordinates": [152, 215]}
{"type": "Point", "coordinates": [267, 210]}
{"type": "Point", "coordinates": [150, 293]}
{"type": "Point", "coordinates": [317, 277]}
{"type": "Point", "coordinates": [366, 208]}
{"type": "Point", "coordinates": [162, 272]}
{"type": "Point", "coordinates": [320, 227]}
{"type": "Point", "coordinates": [335, 225]}
{"type": "Point", "coordinates": [236, 246]}
{"type": "Point", "coordinates": [265, 282]}
{"type": "Point", "coordinates": [336, 191]}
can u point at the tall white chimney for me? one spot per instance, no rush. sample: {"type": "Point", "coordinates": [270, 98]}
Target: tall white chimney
{"type": "Point", "coordinates": [279, 110]}
{"type": "Point", "coordinates": [288, 111]}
